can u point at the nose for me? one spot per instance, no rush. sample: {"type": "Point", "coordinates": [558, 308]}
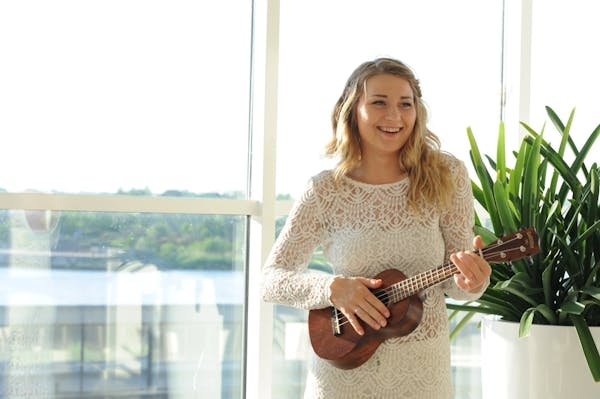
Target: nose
{"type": "Point", "coordinates": [393, 113]}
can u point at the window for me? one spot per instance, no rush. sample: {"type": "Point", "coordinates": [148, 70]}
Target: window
{"type": "Point", "coordinates": [106, 106]}
{"type": "Point", "coordinates": [456, 56]}
{"type": "Point", "coordinates": [122, 304]}
{"type": "Point", "coordinates": [128, 258]}
{"type": "Point", "coordinates": [564, 68]}
{"type": "Point", "coordinates": [102, 96]}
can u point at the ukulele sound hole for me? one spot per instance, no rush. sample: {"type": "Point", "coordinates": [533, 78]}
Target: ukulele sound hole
{"type": "Point", "coordinates": [383, 295]}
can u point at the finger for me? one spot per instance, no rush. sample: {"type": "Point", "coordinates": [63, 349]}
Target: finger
{"type": "Point", "coordinates": [370, 282]}
{"type": "Point", "coordinates": [370, 298]}
{"type": "Point", "coordinates": [372, 316]}
{"type": "Point", "coordinates": [468, 267]}
{"type": "Point", "coordinates": [478, 264]}
{"type": "Point", "coordinates": [471, 264]}
{"type": "Point", "coordinates": [459, 261]}
{"type": "Point", "coordinates": [465, 284]}
{"type": "Point", "coordinates": [353, 317]}
{"type": "Point", "coordinates": [375, 310]}
{"type": "Point", "coordinates": [474, 271]}
{"type": "Point", "coordinates": [375, 306]}
{"type": "Point", "coordinates": [478, 242]}
{"type": "Point", "coordinates": [460, 280]}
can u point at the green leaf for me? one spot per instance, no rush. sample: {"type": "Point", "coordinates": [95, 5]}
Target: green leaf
{"type": "Point", "coordinates": [501, 156]}
{"type": "Point", "coordinates": [516, 176]}
{"type": "Point", "coordinates": [547, 285]}
{"type": "Point", "coordinates": [484, 177]}
{"type": "Point", "coordinates": [466, 317]}
{"type": "Point", "coordinates": [545, 311]}
{"type": "Point", "coordinates": [486, 235]}
{"type": "Point", "coordinates": [588, 345]}
{"type": "Point", "coordinates": [520, 288]}
{"type": "Point", "coordinates": [573, 308]}
{"type": "Point", "coordinates": [503, 208]}
{"type": "Point", "coordinates": [526, 322]}
{"type": "Point", "coordinates": [592, 291]}
{"type": "Point", "coordinates": [530, 189]}
{"type": "Point", "coordinates": [529, 316]}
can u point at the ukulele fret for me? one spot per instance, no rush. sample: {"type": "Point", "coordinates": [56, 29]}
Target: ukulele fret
{"type": "Point", "coordinates": [399, 292]}
{"type": "Point", "coordinates": [413, 285]}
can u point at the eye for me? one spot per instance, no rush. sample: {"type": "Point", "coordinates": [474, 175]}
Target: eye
{"type": "Point", "coordinates": [406, 104]}
{"type": "Point", "coordinates": [378, 102]}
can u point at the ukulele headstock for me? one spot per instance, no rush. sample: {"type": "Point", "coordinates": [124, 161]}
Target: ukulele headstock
{"type": "Point", "coordinates": [514, 246]}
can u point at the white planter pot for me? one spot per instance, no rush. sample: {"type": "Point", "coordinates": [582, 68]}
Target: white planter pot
{"type": "Point", "coordinates": [547, 364]}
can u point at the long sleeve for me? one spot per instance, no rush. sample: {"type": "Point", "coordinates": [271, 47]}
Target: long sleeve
{"type": "Point", "coordinates": [457, 224]}
{"type": "Point", "coordinates": [286, 278]}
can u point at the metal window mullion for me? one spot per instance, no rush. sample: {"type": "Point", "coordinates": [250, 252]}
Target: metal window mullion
{"type": "Point", "coordinates": [265, 54]}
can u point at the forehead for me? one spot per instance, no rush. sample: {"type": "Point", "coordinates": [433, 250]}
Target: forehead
{"type": "Point", "coordinates": [387, 84]}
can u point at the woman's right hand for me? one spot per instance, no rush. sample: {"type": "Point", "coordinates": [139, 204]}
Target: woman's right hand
{"type": "Point", "coordinates": [354, 298]}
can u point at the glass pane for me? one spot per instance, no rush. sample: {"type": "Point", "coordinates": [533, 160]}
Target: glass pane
{"type": "Point", "coordinates": [290, 350]}
{"type": "Point", "coordinates": [466, 357]}
{"type": "Point", "coordinates": [290, 339]}
{"type": "Point", "coordinates": [459, 68]}
{"type": "Point", "coordinates": [101, 96]}
{"type": "Point", "coordinates": [121, 305]}
{"type": "Point", "coordinates": [564, 65]}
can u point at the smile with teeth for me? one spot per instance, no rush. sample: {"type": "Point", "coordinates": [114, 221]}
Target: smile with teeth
{"type": "Point", "coordinates": [390, 129]}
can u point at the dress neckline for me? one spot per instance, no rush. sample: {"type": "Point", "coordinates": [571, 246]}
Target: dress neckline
{"type": "Point", "coordinates": [361, 183]}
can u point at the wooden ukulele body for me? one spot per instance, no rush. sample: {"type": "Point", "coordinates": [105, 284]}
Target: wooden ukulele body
{"type": "Point", "coordinates": [348, 349]}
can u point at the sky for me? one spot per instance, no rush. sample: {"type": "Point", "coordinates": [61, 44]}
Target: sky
{"type": "Point", "coordinates": [98, 96]}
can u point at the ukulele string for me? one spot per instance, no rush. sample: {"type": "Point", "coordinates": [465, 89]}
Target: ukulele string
{"type": "Point", "coordinates": [384, 294]}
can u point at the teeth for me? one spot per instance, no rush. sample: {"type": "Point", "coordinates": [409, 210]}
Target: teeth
{"type": "Point", "coordinates": [390, 129]}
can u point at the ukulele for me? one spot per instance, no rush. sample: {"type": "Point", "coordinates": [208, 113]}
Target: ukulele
{"type": "Point", "coordinates": [335, 340]}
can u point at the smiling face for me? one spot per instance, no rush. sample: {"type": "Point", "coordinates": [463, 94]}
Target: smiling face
{"type": "Point", "coordinates": [385, 115]}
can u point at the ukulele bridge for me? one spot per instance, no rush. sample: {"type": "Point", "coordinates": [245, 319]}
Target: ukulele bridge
{"type": "Point", "coordinates": [335, 322]}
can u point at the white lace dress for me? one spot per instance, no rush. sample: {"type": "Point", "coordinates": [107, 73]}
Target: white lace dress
{"type": "Point", "coordinates": [364, 229]}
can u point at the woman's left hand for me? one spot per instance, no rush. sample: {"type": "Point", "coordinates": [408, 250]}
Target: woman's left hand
{"type": "Point", "coordinates": [474, 270]}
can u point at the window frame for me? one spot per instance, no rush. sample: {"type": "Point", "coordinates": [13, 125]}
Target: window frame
{"type": "Point", "coordinates": [262, 209]}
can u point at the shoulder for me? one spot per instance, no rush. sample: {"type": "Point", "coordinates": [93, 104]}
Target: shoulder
{"type": "Point", "coordinates": [318, 186]}
{"type": "Point", "coordinates": [450, 159]}
{"type": "Point", "coordinates": [322, 181]}
{"type": "Point", "coordinates": [456, 166]}
{"type": "Point", "coordinates": [459, 176]}
{"type": "Point", "coordinates": [323, 177]}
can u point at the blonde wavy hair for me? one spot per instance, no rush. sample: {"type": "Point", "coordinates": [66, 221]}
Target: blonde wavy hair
{"type": "Point", "coordinates": [420, 156]}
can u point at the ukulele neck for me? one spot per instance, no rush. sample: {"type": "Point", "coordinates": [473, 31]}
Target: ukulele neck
{"type": "Point", "coordinates": [413, 285]}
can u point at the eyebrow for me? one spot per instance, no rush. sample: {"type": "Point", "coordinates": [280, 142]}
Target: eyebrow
{"type": "Point", "coordinates": [402, 97]}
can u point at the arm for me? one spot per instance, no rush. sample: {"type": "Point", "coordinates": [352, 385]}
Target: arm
{"type": "Point", "coordinates": [286, 279]}
{"type": "Point", "coordinates": [457, 228]}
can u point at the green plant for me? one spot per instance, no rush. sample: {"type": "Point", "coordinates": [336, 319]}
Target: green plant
{"type": "Point", "coordinates": [561, 284]}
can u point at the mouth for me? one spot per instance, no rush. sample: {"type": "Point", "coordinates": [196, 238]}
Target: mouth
{"type": "Point", "coordinates": [390, 130]}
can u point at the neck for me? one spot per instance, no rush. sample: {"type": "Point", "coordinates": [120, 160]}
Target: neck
{"type": "Point", "coordinates": [378, 171]}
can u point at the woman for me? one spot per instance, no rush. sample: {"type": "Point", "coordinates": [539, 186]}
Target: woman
{"type": "Point", "coordinates": [394, 200]}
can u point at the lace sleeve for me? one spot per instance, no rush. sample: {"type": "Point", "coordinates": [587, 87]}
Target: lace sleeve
{"type": "Point", "coordinates": [286, 279]}
{"type": "Point", "coordinates": [457, 226]}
